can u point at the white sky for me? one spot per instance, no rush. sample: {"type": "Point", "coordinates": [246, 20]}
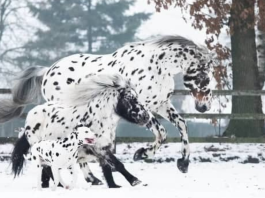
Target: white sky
{"type": "Point", "coordinates": [166, 22]}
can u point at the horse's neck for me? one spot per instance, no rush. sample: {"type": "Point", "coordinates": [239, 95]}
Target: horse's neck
{"type": "Point", "coordinates": [155, 56]}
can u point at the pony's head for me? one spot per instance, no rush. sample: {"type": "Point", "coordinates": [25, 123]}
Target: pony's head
{"type": "Point", "coordinates": [198, 80]}
{"type": "Point", "coordinates": [129, 108]}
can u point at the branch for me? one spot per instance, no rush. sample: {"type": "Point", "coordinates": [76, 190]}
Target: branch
{"type": "Point", "coordinates": [10, 50]}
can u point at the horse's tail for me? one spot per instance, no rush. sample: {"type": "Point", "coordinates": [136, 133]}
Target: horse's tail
{"type": "Point", "coordinates": [26, 90]}
{"type": "Point", "coordinates": [17, 158]}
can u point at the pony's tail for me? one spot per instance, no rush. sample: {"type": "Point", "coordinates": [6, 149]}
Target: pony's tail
{"type": "Point", "coordinates": [26, 90]}
{"type": "Point", "coordinates": [17, 158]}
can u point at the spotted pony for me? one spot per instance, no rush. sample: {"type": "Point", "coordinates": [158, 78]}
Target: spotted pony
{"type": "Point", "coordinates": [98, 102]}
{"type": "Point", "coordinates": [151, 65]}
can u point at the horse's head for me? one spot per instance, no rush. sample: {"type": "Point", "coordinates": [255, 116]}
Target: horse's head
{"type": "Point", "coordinates": [129, 108]}
{"type": "Point", "coordinates": [197, 80]}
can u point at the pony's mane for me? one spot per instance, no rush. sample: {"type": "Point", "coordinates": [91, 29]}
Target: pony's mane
{"type": "Point", "coordinates": [93, 86]}
{"type": "Point", "coordinates": [168, 39]}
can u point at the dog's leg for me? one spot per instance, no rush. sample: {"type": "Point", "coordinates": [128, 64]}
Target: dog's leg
{"type": "Point", "coordinates": [73, 172]}
{"type": "Point", "coordinates": [61, 180]}
{"type": "Point", "coordinates": [55, 172]}
{"type": "Point", "coordinates": [39, 167]}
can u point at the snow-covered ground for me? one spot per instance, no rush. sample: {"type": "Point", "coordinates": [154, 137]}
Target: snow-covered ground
{"type": "Point", "coordinates": [214, 178]}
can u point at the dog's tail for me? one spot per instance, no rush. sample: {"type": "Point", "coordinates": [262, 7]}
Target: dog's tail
{"type": "Point", "coordinates": [20, 150]}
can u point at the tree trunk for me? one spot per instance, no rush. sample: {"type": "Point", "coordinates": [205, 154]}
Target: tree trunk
{"type": "Point", "coordinates": [261, 40]}
{"type": "Point", "coordinates": [245, 70]}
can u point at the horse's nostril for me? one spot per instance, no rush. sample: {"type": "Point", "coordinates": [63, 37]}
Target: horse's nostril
{"type": "Point", "coordinates": [146, 116]}
{"type": "Point", "coordinates": [202, 108]}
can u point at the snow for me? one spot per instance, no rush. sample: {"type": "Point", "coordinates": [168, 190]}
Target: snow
{"type": "Point", "coordinates": [215, 179]}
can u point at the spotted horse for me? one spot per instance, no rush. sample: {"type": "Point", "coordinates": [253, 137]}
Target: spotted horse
{"type": "Point", "coordinates": [151, 65]}
{"type": "Point", "coordinates": [98, 103]}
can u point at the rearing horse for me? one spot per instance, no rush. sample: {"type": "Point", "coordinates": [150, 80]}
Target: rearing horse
{"type": "Point", "coordinates": [150, 65]}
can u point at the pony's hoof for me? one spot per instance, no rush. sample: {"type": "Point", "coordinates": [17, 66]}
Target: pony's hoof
{"type": "Point", "coordinates": [114, 186]}
{"type": "Point", "coordinates": [45, 185]}
{"type": "Point", "coordinates": [140, 154]}
{"type": "Point", "coordinates": [183, 165]}
{"type": "Point", "coordinates": [135, 182]}
{"type": "Point", "coordinates": [97, 182]}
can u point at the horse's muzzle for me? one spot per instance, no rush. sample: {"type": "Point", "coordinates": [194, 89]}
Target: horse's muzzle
{"type": "Point", "coordinates": [144, 118]}
{"type": "Point", "coordinates": [201, 109]}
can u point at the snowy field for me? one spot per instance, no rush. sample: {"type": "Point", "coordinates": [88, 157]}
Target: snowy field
{"type": "Point", "coordinates": [241, 174]}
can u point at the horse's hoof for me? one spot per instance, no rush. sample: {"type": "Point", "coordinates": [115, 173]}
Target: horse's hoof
{"type": "Point", "coordinates": [45, 185]}
{"type": "Point", "coordinates": [183, 165]}
{"type": "Point", "coordinates": [97, 182]}
{"type": "Point", "coordinates": [135, 182]}
{"type": "Point", "coordinates": [114, 186]}
{"type": "Point", "coordinates": [140, 154]}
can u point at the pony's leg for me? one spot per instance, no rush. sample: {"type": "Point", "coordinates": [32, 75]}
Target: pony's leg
{"type": "Point", "coordinates": [46, 176]}
{"type": "Point", "coordinates": [89, 177]}
{"type": "Point", "coordinates": [161, 135]}
{"type": "Point", "coordinates": [107, 172]}
{"type": "Point", "coordinates": [118, 165]}
{"type": "Point", "coordinates": [169, 112]}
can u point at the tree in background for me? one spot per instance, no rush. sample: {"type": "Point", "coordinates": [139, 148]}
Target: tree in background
{"type": "Point", "coordinates": [261, 38]}
{"type": "Point", "coordinates": [79, 26]}
{"type": "Point", "coordinates": [12, 27]}
{"type": "Point", "coordinates": [238, 19]}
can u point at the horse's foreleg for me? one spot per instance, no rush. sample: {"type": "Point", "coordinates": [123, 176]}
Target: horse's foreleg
{"type": "Point", "coordinates": [89, 177]}
{"type": "Point", "coordinates": [161, 135]}
{"type": "Point", "coordinates": [169, 112]}
{"type": "Point", "coordinates": [85, 155]}
{"type": "Point", "coordinates": [118, 165]}
{"type": "Point", "coordinates": [107, 172]}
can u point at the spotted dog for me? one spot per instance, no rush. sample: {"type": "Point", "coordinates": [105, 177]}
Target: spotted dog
{"type": "Point", "coordinates": [60, 154]}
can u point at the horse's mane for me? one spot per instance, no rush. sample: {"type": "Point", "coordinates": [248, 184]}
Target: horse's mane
{"type": "Point", "coordinates": [93, 86]}
{"type": "Point", "coordinates": [168, 39]}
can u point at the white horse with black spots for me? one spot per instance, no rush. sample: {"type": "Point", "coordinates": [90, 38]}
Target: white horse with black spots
{"type": "Point", "coordinates": [98, 102]}
{"type": "Point", "coordinates": [150, 65]}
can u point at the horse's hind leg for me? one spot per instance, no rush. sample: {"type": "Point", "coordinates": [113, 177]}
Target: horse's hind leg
{"type": "Point", "coordinates": [169, 112]}
{"type": "Point", "coordinates": [118, 165]}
